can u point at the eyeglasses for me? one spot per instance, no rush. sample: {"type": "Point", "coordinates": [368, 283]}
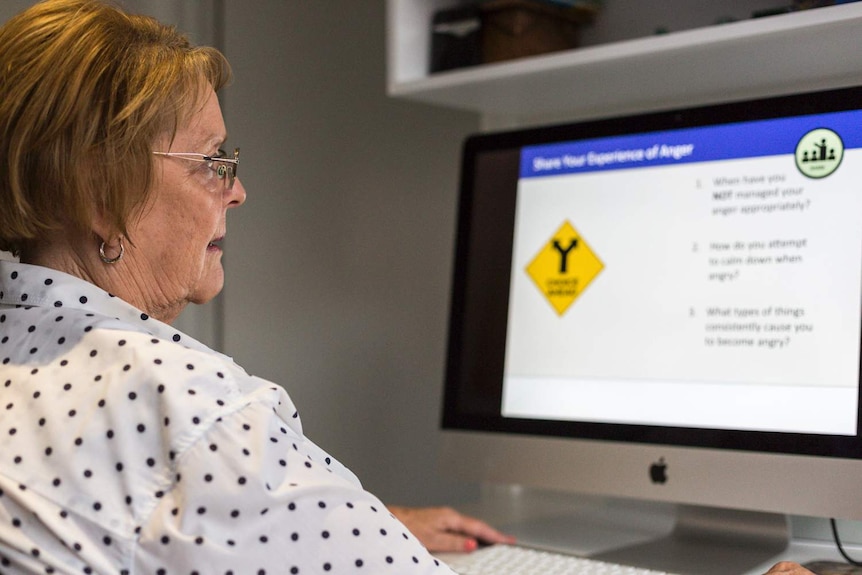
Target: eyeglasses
{"type": "Point", "coordinates": [220, 164]}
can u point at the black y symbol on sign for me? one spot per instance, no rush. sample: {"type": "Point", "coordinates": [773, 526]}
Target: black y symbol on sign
{"type": "Point", "coordinates": [564, 253]}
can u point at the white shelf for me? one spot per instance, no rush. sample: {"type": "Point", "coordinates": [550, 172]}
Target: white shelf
{"type": "Point", "coordinates": [814, 49]}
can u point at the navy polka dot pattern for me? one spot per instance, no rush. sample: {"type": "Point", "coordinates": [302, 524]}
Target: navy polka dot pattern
{"type": "Point", "coordinates": [129, 448]}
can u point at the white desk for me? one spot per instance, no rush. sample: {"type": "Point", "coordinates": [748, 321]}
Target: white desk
{"type": "Point", "coordinates": [589, 526]}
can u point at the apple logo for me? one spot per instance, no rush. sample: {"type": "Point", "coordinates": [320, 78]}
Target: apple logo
{"type": "Point", "coordinates": [658, 471]}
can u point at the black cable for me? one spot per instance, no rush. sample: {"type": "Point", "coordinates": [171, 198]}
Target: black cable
{"type": "Point", "coordinates": [840, 547]}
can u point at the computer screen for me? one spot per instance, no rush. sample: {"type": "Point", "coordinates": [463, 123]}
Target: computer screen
{"type": "Point", "coordinates": [665, 306]}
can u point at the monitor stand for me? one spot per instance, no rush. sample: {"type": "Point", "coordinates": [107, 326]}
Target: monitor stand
{"type": "Point", "coordinates": [710, 541]}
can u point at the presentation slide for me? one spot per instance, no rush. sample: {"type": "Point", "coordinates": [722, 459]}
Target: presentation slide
{"type": "Point", "coordinates": [707, 277]}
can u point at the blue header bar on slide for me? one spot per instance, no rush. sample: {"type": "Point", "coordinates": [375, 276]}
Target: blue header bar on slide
{"type": "Point", "coordinates": [773, 137]}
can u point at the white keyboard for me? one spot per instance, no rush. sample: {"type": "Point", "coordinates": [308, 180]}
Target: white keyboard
{"type": "Point", "coordinates": [514, 560]}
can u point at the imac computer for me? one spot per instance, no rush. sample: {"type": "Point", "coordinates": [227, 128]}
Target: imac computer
{"type": "Point", "coordinates": [666, 307]}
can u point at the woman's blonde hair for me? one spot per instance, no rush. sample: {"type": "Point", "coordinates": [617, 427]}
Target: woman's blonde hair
{"type": "Point", "coordinates": [85, 92]}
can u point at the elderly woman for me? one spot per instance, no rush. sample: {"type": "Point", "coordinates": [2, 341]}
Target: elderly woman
{"type": "Point", "coordinates": [125, 445]}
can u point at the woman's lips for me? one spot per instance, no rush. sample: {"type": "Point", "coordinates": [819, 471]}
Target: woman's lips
{"type": "Point", "coordinates": [215, 244]}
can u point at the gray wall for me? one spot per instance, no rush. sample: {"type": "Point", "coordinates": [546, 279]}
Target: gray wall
{"type": "Point", "coordinates": [338, 266]}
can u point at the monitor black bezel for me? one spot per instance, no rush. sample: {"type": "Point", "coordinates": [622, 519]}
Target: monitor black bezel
{"type": "Point", "coordinates": [456, 415]}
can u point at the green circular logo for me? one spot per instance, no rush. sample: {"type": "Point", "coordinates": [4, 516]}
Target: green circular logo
{"type": "Point", "coordinates": [819, 153]}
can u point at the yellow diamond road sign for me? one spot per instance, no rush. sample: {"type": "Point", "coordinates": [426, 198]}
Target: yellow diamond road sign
{"type": "Point", "coordinates": [564, 268]}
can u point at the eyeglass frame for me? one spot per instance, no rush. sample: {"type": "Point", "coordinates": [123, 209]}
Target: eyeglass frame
{"type": "Point", "coordinates": [222, 170]}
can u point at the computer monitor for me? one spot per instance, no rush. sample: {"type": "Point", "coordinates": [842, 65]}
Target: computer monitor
{"type": "Point", "coordinates": [667, 307]}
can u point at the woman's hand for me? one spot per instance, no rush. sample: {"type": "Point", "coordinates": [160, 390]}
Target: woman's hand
{"type": "Point", "coordinates": [788, 568]}
{"type": "Point", "coordinates": [444, 530]}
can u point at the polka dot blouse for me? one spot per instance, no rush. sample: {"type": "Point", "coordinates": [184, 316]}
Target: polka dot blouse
{"type": "Point", "coordinates": [127, 447]}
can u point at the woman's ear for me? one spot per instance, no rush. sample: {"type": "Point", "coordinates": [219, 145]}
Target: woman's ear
{"type": "Point", "coordinates": [103, 230]}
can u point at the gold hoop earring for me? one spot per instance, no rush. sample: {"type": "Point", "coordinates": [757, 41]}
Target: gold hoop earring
{"type": "Point", "coordinates": [113, 260]}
